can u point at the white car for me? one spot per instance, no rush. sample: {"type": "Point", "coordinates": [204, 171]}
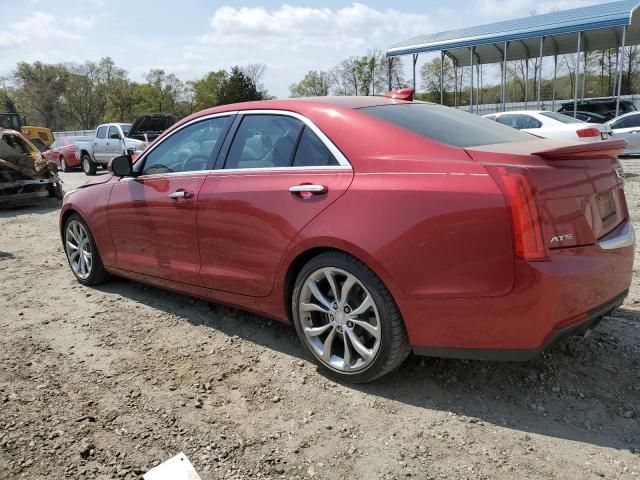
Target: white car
{"type": "Point", "coordinates": [627, 126]}
{"type": "Point", "coordinates": [110, 140]}
{"type": "Point", "coordinates": [553, 125]}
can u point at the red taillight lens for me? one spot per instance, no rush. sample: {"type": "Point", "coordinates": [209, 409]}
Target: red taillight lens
{"type": "Point", "coordinates": [588, 132]}
{"type": "Point", "coordinates": [524, 213]}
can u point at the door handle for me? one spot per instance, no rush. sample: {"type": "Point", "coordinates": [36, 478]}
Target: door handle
{"type": "Point", "coordinates": [306, 190]}
{"type": "Point", "coordinates": [181, 194]}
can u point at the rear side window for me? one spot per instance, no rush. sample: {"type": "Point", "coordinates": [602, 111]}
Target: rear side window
{"type": "Point", "coordinates": [264, 141]}
{"type": "Point", "coordinates": [446, 125]}
{"type": "Point", "coordinates": [312, 152]}
{"type": "Point", "coordinates": [102, 133]}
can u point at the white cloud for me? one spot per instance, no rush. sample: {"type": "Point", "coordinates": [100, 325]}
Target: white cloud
{"type": "Point", "coordinates": [292, 39]}
{"type": "Point", "coordinates": [44, 27]}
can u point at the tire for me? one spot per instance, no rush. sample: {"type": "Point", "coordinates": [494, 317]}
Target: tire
{"type": "Point", "coordinates": [94, 273]}
{"type": "Point", "coordinates": [55, 190]}
{"type": "Point", "coordinates": [88, 166]}
{"type": "Point", "coordinates": [63, 165]}
{"type": "Point", "coordinates": [384, 341]}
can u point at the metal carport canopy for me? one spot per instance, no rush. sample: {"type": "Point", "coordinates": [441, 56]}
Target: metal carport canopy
{"type": "Point", "coordinates": [600, 24]}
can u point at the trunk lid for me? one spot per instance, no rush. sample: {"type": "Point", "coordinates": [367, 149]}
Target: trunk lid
{"type": "Point", "coordinates": [578, 187]}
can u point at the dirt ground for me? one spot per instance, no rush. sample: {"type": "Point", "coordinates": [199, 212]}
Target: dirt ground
{"type": "Point", "coordinates": [108, 382]}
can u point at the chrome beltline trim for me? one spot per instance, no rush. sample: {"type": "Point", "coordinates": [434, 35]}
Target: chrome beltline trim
{"type": "Point", "coordinates": [626, 239]}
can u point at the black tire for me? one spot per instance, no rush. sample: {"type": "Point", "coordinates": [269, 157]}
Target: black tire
{"type": "Point", "coordinates": [89, 167]}
{"type": "Point", "coordinates": [63, 165]}
{"type": "Point", "coordinates": [394, 343]}
{"type": "Point", "coordinates": [55, 190]}
{"type": "Point", "coordinates": [97, 273]}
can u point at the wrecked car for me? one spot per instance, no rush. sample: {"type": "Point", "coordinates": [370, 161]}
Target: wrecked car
{"type": "Point", "coordinates": [24, 173]}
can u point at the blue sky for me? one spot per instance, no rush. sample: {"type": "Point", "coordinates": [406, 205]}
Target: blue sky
{"type": "Point", "coordinates": [191, 37]}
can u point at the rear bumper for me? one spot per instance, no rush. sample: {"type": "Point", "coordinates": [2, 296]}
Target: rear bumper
{"type": "Point", "coordinates": [549, 300]}
{"type": "Point", "coordinates": [519, 355]}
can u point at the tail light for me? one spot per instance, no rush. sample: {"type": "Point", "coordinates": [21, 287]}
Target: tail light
{"type": "Point", "coordinates": [523, 210]}
{"type": "Point", "coordinates": [588, 132]}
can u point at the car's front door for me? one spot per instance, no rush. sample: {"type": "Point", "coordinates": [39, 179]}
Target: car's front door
{"type": "Point", "coordinates": [99, 143]}
{"type": "Point", "coordinates": [628, 128]}
{"type": "Point", "coordinates": [113, 145]}
{"type": "Point", "coordinates": [280, 172]}
{"type": "Point", "coordinates": [152, 216]}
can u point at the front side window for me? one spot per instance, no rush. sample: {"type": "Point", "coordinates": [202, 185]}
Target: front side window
{"type": "Point", "coordinates": [264, 141]}
{"type": "Point", "coordinates": [191, 148]}
{"type": "Point", "coordinates": [101, 133]}
{"type": "Point", "coordinates": [113, 132]}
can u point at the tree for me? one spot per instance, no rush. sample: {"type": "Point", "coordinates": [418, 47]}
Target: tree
{"type": "Point", "coordinates": [314, 84]}
{"type": "Point", "coordinates": [237, 87]}
{"type": "Point", "coordinates": [255, 72]}
{"type": "Point", "coordinates": [163, 90]}
{"type": "Point", "coordinates": [85, 95]}
{"type": "Point", "coordinates": [205, 90]}
{"type": "Point", "coordinates": [40, 89]}
{"type": "Point", "coordinates": [430, 73]}
{"type": "Point", "coordinates": [389, 74]}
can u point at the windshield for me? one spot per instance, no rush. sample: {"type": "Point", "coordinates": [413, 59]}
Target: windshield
{"type": "Point", "coordinates": [561, 118]}
{"type": "Point", "coordinates": [10, 121]}
{"type": "Point", "coordinates": [445, 124]}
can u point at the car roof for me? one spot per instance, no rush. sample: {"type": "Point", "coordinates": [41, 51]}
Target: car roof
{"type": "Point", "coordinates": [624, 115]}
{"type": "Point", "coordinates": [519, 112]}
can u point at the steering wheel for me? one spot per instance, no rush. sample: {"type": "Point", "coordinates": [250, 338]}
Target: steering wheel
{"type": "Point", "coordinates": [191, 163]}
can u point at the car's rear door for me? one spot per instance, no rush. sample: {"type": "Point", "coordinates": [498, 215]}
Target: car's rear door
{"type": "Point", "coordinates": [153, 216]}
{"type": "Point", "coordinates": [279, 172]}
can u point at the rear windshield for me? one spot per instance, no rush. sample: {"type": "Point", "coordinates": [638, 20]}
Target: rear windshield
{"type": "Point", "coordinates": [446, 125]}
{"type": "Point", "coordinates": [561, 118]}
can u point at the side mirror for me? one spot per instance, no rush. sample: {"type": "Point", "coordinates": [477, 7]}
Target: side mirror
{"type": "Point", "coordinates": [115, 136]}
{"type": "Point", "coordinates": [121, 166]}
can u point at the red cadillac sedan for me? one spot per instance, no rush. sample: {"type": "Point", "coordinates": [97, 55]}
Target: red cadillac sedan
{"type": "Point", "coordinates": [65, 152]}
{"type": "Point", "coordinates": [376, 226]}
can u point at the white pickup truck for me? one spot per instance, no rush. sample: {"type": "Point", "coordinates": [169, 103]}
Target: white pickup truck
{"type": "Point", "coordinates": [110, 141]}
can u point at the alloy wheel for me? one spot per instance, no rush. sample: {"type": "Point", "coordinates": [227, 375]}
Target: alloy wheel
{"type": "Point", "coordinates": [339, 319]}
{"type": "Point", "coordinates": [78, 247]}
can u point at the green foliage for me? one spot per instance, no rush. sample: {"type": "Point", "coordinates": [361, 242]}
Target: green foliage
{"type": "Point", "coordinates": [237, 87]}
{"type": "Point", "coordinates": [205, 90]}
{"type": "Point", "coordinates": [314, 84]}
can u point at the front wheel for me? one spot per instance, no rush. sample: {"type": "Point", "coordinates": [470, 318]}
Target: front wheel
{"type": "Point", "coordinates": [82, 253]}
{"type": "Point", "coordinates": [88, 166]}
{"type": "Point", "coordinates": [347, 319]}
{"type": "Point", "coordinates": [63, 165]}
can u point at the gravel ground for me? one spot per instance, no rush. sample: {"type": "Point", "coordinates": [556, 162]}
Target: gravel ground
{"type": "Point", "coordinates": [108, 382]}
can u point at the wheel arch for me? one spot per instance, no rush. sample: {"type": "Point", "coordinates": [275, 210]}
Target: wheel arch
{"type": "Point", "coordinates": [304, 254]}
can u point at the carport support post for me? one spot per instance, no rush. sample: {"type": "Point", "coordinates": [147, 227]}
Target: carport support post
{"type": "Point", "coordinates": [390, 64]}
{"type": "Point", "coordinates": [471, 90]}
{"type": "Point", "coordinates": [538, 93]}
{"type": "Point", "coordinates": [455, 84]}
{"type": "Point", "coordinates": [577, 74]}
{"type": "Point", "coordinates": [620, 69]}
{"type": "Point", "coordinates": [415, 60]}
{"type": "Point", "coordinates": [555, 76]}
{"type": "Point", "coordinates": [526, 83]}
{"type": "Point", "coordinates": [504, 78]}
{"type": "Point", "coordinates": [442, 77]}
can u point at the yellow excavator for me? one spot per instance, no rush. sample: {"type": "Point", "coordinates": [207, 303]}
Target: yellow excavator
{"type": "Point", "coordinates": [41, 137]}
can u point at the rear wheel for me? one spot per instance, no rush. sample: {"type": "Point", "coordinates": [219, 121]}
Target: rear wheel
{"type": "Point", "coordinates": [347, 319]}
{"type": "Point", "coordinates": [88, 166]}
{"type": "Point", "coordinates": [82, 254]}
{"type": "Point", "coordinates": [63, 165]}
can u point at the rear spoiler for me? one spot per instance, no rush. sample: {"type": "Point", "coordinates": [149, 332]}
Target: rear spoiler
{"type": "Point", "coordinates": [607, 148]}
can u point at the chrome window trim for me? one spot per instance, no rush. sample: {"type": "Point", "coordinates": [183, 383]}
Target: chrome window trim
{"type": "Point", "coordinates": [153, 146]}
{"type": "Point", "coordinates": [343, 163]}
{"type": "Point", "coordinates": [625, 239]}
{"type": "Point", "coordinates": [255, 171]}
